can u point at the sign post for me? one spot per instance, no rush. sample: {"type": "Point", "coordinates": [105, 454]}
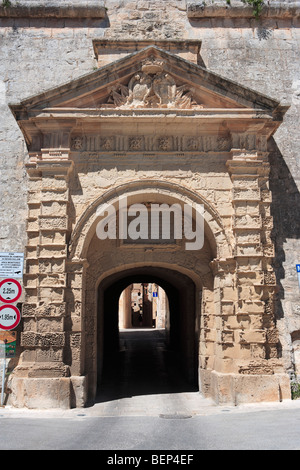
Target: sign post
{"type": "Point", "coordinates": [8, 341]}
{"type": "Point", "coordinates": [3, 361]}
{"type": "Point", "coordinates": [11, 269]}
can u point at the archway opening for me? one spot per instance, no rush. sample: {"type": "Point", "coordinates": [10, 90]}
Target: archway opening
{"type": "Point", "coordinates": [157, 353]}
{"type": "Point", "coordinates": [143, 305]}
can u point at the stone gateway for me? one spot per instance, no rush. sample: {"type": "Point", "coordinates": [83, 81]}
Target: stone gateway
{"type": "Point", "coordinates": [154, 122]}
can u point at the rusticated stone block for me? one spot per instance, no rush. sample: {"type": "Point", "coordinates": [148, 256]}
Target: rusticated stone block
{"type": "Point", "coordinates": [227, 337]}
{"type": "Point", "coordinates": [54, 195]}
{"type": "Point", "coordinates": [29, 309]}
{"type": "Point", "coordinates": [52, 265]}
{"type": "Point", "coordinates": [55, 294]}
{"type": "Point", "coordinates": [79, 389]}
{"type": "Point", "coordinates": [51, 310]}
{"type": "Point", "coordinates": [51, 280]}
{"type": "Point", "coordinates": [52, 223]}
{"type": "Point", "coordinates": [75, 340]}
{"type": "Point", "coordinates": [50, 324]}
{"type": "Point", "coordinates": [40, 393]}
{"type": "Point", "coordinates": [256, 369]}
{"type": "Point", "coordinates": [49, 355]}
{"type": "Point", "coordinates": [49, 183]}
{"type": "Point", "coordinates": [56, 237]}
{"type": "Point", "coordinates": [272, 336]}
{"type": "Point", "coordinates": [57, 209]}
{"type": "Point", "coordinates": [253, 336]}
{"type": "Point", "coordinates": [49, 251]}
{"type": "Point", "coordinates": [31, 339]}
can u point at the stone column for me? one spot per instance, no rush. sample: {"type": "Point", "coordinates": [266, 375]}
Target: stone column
{"type": "Point", "coordinates": [42, 378]}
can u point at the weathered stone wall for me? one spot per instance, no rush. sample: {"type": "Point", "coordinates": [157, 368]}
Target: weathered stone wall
{"type": "Point", "coordinates": [47, 46]}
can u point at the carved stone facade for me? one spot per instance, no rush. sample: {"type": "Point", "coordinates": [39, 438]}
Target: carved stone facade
{"type": "Point", "coordinates": [153, 127]}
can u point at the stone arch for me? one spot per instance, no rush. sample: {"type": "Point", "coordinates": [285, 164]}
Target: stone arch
{"type": "Point", "coordinates": [101, 265]}
{"type": "Point", "coordinates": [86, 225]}
{"type": "Point", "coordinates": [181, 292]}
{"type": "Point", "coordinates": [97, 273]}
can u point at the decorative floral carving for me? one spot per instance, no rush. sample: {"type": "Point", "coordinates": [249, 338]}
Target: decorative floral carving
{"type": "Point", "coordinates": [164, 143]}
{"type": "Point", "coordinates": [192, 144]}
{"type": "Point", "coordinates": [135, 143]}
{"type": "Point", "coordinates": [107, 143]}
{"type": "Point", "coordinates": [152, 143]}
{"type": "Point", "coordinates": [77, 143]}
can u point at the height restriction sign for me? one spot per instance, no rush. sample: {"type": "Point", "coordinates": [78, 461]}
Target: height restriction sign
{"type": "Point", "coordinates": [10, 317]}
{"type": "Point", "coordinates": [10, 290]}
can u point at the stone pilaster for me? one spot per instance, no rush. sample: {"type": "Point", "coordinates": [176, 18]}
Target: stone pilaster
{"type": "Point", "coordinates": [251, 330]}
{"type": "Point", "coordinates": [44, 312]}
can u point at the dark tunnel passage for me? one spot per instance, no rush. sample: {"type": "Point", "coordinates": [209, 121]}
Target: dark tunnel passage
{"type": "Point", "coordinates": [141, 361]}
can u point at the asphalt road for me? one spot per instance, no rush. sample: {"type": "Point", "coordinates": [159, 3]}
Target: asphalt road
{"type": "Point", "coordinates": [144, 404]}
{"type": "Point", "coordinates": [269, 428]}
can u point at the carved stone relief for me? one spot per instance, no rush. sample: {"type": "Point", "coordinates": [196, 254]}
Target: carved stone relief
{"type": "Point", "coordinates": [152, 87]}
{"type": "Point", "coordinates": [150, 143]}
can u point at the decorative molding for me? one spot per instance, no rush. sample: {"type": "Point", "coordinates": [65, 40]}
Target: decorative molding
{"type": "Point", "coordinates": [246, 146]}
{"type": "Point", "coordinates": [89, 144]}
{"type": "Point", "coordinates": [238, 9]}
{"type": "Point", "coordinates": [108, 50]}
{"type": "Point", "coordinates": [53, 9]}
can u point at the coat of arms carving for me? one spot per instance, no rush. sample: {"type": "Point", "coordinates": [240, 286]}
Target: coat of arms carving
{"type": "Point", "coordinates": [152, 87]}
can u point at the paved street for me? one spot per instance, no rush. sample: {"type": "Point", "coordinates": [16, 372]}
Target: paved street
{"type": "Point", "coordinates": [256, 427]}
{"type": "Point", "coordinates": [147, 405]}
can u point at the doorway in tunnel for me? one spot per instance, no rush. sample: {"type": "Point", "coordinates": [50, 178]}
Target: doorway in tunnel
{"type": "Point", "coordinates": [156, 355]}
{"type": "Point", "coordinates": [143, 305]}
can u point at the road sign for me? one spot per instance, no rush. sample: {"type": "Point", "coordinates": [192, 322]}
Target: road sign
{"type": "Point", "coordinates": [11, 265]}
{"type": "Point", "coordinates": [10, 317]}
{"type": "Point", "coordinates": [298, 271]}
{"type": "Point", "coordinates": [155, 294]}
{"type": "Point", "coordinates": [10, 290]}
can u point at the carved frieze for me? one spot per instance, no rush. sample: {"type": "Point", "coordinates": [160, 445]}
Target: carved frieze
{"type": "Point", "coordinates": [150, 143]}
{"type": "Point", "coordinates": [77, 143]}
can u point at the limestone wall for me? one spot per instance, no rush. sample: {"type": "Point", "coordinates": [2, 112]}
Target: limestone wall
{"type": "Point", "coordinates": [44, 45]}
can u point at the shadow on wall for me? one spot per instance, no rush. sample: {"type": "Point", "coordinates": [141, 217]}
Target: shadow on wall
{"type": "Point", "coordinates": [285, 210]}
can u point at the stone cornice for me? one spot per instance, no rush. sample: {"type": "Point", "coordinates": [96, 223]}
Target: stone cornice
{"type": "Point", "coordinates": [238, 9]}
{"type": "Point", "coordinates": [53, 9]}
{"type": "Point", "coordinates": [195, 9]}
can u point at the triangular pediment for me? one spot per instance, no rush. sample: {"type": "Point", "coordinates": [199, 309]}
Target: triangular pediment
{"type": "Point", "coordinates": [152, 83]}
{"type": "Point", "coordinates": [150, 78]}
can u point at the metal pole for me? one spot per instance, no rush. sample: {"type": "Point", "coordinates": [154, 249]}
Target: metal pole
{"type": "Point", "coordinates": [3, 379]}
